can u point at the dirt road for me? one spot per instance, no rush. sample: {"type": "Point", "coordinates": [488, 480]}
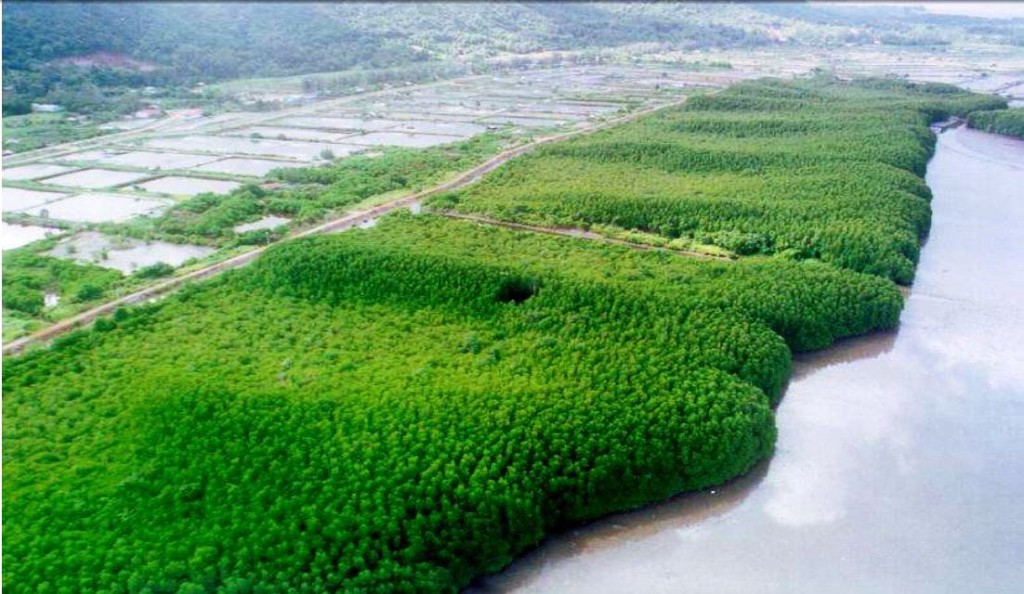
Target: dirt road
{"type": "Point", "coordinates": [576, 233]}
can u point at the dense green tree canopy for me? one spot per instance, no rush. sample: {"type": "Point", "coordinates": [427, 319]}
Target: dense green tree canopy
{"type": "Point", "coordinates": [1002, 121]}
{"type": "Point", "coordinates": [404, 407]}
{"type": "Point", "coordinates": [814, 169]}
{"type": "Point", "coordinates": [371, 410]}
{"type": "Point", "coordinates": [163, 43]}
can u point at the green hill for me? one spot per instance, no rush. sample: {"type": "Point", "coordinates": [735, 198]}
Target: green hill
{"type": "Point", "coordinates": [215, 41]}
{"type": "Point", "coordinates": [157, 43]}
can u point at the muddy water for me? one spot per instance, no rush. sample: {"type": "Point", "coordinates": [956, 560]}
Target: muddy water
{"type": "Point", "coordinates": [900, 460]}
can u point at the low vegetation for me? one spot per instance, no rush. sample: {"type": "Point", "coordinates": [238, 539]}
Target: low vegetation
{"type": "Point", "coordinates": [29, 275]}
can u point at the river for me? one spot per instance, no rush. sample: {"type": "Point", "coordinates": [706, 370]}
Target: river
{"type": "Point", "coordinates": [900, 460]}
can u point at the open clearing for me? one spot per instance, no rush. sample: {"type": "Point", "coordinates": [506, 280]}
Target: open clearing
{"type": "Point", "coordinates": [98, 208]}
{"type": "Point", "coordinates": [188, 186]}
{"type": "Point", "coordinates": [127, 256]}
{"type": "Point", "coordinates": [18, 199]}
{"type": "Point", "coordinates": [95, 179]}
{"type": "Point", "coordinates": [15, 236]}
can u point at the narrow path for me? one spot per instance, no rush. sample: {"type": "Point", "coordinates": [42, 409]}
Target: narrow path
{"type": "Point", "coordinates": [340, 224]}
{"type": "Point", "coordinates": [576, 233]}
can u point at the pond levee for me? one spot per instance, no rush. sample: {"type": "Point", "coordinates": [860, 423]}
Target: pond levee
{"type": "Point", "coordinates": [900, 458]}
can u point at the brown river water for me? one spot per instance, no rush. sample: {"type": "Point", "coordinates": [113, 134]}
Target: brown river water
{"type": "Point", "coordinates": [900, 460]}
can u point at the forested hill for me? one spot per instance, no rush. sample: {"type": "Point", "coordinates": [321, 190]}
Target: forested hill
{"type": "Point", "coordinates": [235, 39]}
{"type": "Point", "coordinates": [61, 52]}
{"type": "Point", "coordinates": [232, 39]}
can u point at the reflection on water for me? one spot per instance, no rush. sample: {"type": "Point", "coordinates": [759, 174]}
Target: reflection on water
{"type": "Point", "coordinates": [900, 459]}
{"type": "Point", "coordinates": [844, 351]}
{"type": "Point", "coordinates": [678, 513]}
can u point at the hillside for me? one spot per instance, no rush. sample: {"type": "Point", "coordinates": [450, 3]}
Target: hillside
{"type": "Point", "coordinates": [266, 39]}
{"type": "Point", "coordinates": [86, 55]}
{"type": "Point", "coordinates": [86, 46]}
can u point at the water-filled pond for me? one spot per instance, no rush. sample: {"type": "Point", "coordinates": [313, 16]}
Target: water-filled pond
{"type": "Point", "coordinates": [154, 160]}
{"type": "Point", "coordinates": [189, 186]}
{"type": "Point", "coordinates": [126, 255]}
{"type": "Point", "coordinates": [253, 167]}
{"type": "Point", "coordinates": [35, 171]}
{"type": "Point", "coordinates": [19, 199]}
{"type": "Point", "coordinates": [16, 236]}
{"type": "Point", "coordinates": [98, 208]}
{"type": "Point", "coordinates": [95, 179]}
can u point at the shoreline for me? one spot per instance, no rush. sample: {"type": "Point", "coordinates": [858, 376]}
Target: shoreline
{"type": "Point", "coordinates": [857, 445]}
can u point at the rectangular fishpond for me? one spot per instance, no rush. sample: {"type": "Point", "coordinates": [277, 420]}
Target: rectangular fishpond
{"type": "Point", "coordinates": [339, 123]}
{"type": "Point", "coordinates": [189, 186]}
{"type": "Point", "coordinates": [17, 199]}
{"type": "Point", "coordinates": [127, 255]}
{"type": "Point", "coordinates": [16, 236]}
{"type": "Point", "coordinates": [522, 121]}
{"type": "Point", "coordinates": [35, 171]}
{"type": "Point", "coordinates": [253, 167]}
{"type": "Point", "coordinates": [405, 140]}
{"type": "Point", "coordinates": [97, 155]}
{"type": "Point", "coordinates": [254, 146]}
{"type": "Point", "coordinates": [98, 208]}
{"type": "Point", "coordinates": [154, 160]}
{"type": "Point", "coordinates": [95, 179]}
{"type": "Point", "coordinates": [280, 133]}
{"type": "Point", "coordinates": [453, 128]}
